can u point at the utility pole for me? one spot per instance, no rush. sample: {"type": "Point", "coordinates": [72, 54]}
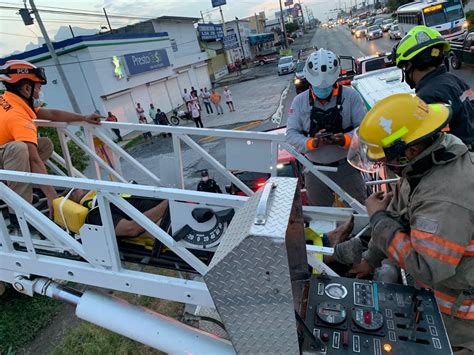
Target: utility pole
{"type": "Point", "coordinates": [55, 59]}
{"type": "Point", "coordinates": [228, 55]}
{"type": "Point", "coordinates": [285, 42]}
{"type": "Point", "coordinates": [240, 38]}
{"type": "Point", "coordinates": [107, 18]}
{"type": "Point", "coordinates": [302, 16]}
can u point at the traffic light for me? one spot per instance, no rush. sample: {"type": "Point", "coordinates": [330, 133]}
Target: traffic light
{"type": "Point", "coordinates": [26, 17]}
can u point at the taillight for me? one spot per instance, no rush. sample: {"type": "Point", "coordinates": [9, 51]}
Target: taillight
{"type": "Point", "coordinates": [260, 184]}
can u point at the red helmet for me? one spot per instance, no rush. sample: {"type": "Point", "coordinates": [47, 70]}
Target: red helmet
{"type": "Point", "coordinates": [15, 70]}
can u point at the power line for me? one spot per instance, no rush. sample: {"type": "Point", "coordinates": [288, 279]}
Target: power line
{"type": "Point", "coordinates": [81, 13]}
{"type": "Point", "coordinates": [16, 34]}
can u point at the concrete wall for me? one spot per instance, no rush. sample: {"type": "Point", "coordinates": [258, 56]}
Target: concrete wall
{"type": "Point", "coordinates": [182, 32]}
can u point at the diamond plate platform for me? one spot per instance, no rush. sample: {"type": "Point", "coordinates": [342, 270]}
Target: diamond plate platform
{"type": "Point", "coordinates": [250, 276]}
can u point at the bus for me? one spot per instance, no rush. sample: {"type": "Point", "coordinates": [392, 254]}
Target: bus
{"type": "Point", "coordinates": [447, 17]}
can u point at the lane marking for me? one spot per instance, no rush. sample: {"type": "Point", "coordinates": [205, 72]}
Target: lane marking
{"type": "Point", "coordinates": [243, 127]}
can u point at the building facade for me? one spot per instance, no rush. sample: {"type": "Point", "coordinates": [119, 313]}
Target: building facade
{"type": "Point", "coordinates": [114, 72]}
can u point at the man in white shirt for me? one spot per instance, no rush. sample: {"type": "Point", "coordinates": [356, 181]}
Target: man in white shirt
{"type": "Point", "coordinates": [187, 98]}
{"type": "Point", "coordinates": [228, 99]}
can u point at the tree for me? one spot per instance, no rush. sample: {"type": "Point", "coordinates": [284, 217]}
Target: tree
{"type": "Point", "coordinates": [291, 27]}
{"type": "Point", "coordinates": [78, 156]}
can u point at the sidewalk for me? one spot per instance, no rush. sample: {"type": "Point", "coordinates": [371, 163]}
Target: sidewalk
{"type": "Point", "coordinates": [253, 100]}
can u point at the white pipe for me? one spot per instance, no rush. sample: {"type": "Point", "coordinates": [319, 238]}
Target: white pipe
{"type": "Point", "coordinates": [147, 327]}
{"type": "Point", "coordinates": [380, 182]}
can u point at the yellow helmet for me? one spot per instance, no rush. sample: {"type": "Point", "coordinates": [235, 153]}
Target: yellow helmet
{"type": "Point", "coordinates": [393, 124]}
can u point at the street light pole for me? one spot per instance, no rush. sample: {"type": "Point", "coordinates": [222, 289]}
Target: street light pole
{"type": "Point", "coordinates": [55, 59]}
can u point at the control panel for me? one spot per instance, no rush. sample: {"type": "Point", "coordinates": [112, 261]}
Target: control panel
{"type": "Point", "coordinates": [352, 316]}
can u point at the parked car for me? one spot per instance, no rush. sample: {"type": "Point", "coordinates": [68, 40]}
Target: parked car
{"type": "Point", "coordinates": [462, 51]}
{"type": "Point", "coordinates": [262, 60]}
{"type": "Point", "coordinates": [394, 32]}
{"type": "Point", "coordinates": [300, 82]}
{"type": "Point", "coordinates": [374, 32]}
{"type": "Point", "coordinates": [360, 31]}
{"type": "Point", "coordinates": [286, 65]}
{"type": "Point", "coordinates": [386, 24]}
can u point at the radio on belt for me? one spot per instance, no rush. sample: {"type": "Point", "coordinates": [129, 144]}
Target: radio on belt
{"type": "Point", "coordinates": [353, 316]}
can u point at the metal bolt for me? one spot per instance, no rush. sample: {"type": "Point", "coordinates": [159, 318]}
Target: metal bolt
{"type": "Point", "coordinates": [18, 286]}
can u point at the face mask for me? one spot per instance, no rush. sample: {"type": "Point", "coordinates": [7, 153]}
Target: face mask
{"type": "Point", "coordinates": [39, 101]}
{"type": "Point", "coordinates": [205, 178]}
{"type": "Point", "coordinates": [322, 93]}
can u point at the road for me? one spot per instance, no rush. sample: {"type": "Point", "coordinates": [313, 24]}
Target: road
{"type": "Point", "coordinates": [338, 40]}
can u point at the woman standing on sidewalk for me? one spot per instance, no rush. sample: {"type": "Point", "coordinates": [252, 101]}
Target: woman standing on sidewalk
{"type": "Point", "coordinates": [216, 100]}
{"type": "Point", "coordinates": [196, 113]}
{"type": "Point", "coordinates": [228, 99]}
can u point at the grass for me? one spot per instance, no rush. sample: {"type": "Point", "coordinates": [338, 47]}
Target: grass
{"type": "Point", "coordinates": [134, 142]}
{"type": "Point", "coordinates": [21, 317]}
{"type": "Point", "coordinates": [90, 339]}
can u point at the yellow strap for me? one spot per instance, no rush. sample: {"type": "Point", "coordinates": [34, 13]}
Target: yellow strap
{"type": "Point", "coordinates": [394, 136]}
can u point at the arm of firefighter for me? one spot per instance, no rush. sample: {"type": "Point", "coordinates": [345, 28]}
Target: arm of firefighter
{"type": "Point", "coordinates": [64, 116]}
{"type": "Point", "coordinates": [373, 256]}
{"type": "Point", "coordinates": [358, 112]}
{"type": "Point", "coordinates": [295, 128]}
{"type": "Point", "coordinates": [440, 233]}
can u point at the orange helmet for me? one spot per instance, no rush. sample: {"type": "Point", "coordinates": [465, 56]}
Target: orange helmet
{"type": "Point", "coordinates": [15, 70]}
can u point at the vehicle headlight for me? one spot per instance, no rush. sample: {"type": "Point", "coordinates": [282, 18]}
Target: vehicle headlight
{"type": "Point", "coordinates": [358, 33]}
{"type": "Point", "coordinates": [465, 24]}
{"type": "Point", "coordinates": [297, 81]}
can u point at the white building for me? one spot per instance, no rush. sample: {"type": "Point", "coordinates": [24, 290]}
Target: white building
{"type": "Point", "coordinates": [113, 72]}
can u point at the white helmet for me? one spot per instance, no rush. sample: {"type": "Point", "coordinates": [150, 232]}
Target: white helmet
{"type": "Point", "coordinates": [322, 68]}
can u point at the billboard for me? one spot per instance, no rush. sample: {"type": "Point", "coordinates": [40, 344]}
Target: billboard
{"type": "Point", "coordinates": [210, 32]}
{"type": "Point", "coordinates": [217, 3]}
{"type": "Point", "coordinates": [142, 62]}
{"type": "Point", "coordinates": [230, 41]}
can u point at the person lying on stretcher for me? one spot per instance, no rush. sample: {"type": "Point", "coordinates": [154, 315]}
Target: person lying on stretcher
{"type": "Point", "coordinates": [80, 207]}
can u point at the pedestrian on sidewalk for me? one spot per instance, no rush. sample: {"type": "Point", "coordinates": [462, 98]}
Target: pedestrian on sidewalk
{"type": "Point", "coordinates": [162, 119]}
{"type": "Point", "coordinates": [238, 66]}
{"type": "Point", "coordinates": [146, 135]}
{"type": "Point", "coordinates": [152, 113]}
{"type": "Point", "coordinates": [140, 111]}
{"type": "Point", "coordinates": [112, 118]}
{"type": "Point", "coordinates": [196, 98]}
{"type": "Point", "coordinates": [196, 113]}
{"type": "Point", "coordinates": [216, 100]}
{"type": "Point", "coordinates": [205, 95]}
{"type": "Point", "coordinates": [194, 92]}
{"type": "Point", "coordinates": [228, 99]}
{"type": "Point", "coordinates": [187, 98]}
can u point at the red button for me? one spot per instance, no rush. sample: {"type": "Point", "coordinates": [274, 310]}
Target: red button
{"type": "Point", "coordinates": [325, 337]}
{"type": "Point", "coordinates": [367, 317]}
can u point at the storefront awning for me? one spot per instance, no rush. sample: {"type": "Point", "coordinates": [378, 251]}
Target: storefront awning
{"type": "Point", "coordinates": [261, 38]}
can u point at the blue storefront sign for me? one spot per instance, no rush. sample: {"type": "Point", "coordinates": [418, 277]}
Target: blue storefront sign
{"type": "Point", "coordinates": [230, 41]}
{"type": "Point", "coordinates": [216, 3]}
{"type": "Point", "coordinates": [210, 32]}
{"type": "Point", "coordinates": [142, 62]}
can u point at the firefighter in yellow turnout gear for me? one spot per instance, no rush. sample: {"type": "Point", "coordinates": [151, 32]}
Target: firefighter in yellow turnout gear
{"type": "Point", "coordinates": [426, 226]}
